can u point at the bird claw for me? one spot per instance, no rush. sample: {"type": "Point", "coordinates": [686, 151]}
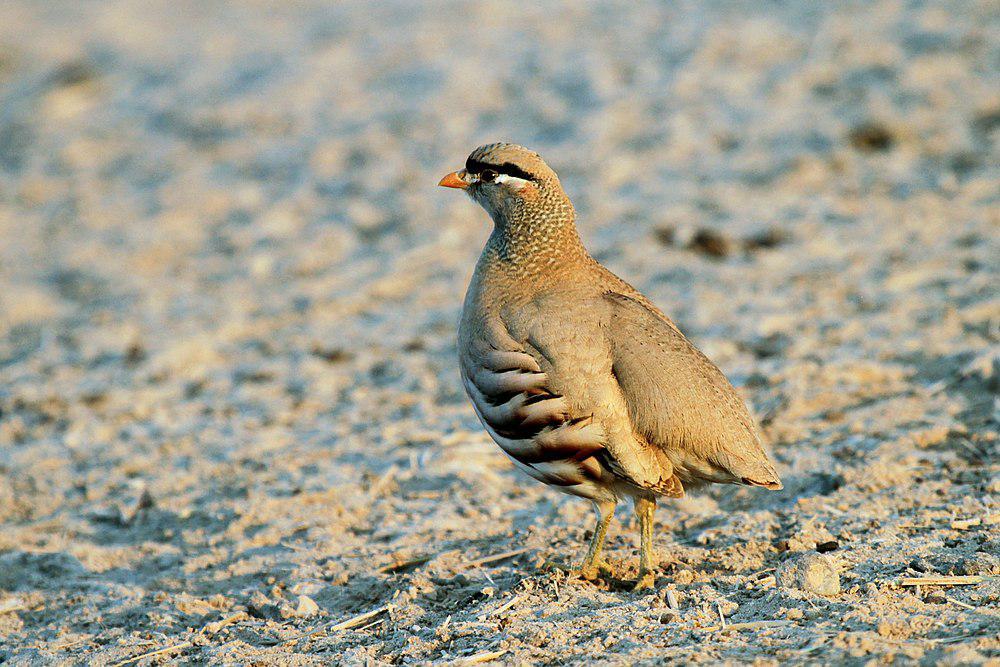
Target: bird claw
{"type": "Point", "coordinates": [646, 581]}
{"type": "Point", "coordinates": [591, 572]}
{"type": "Point", "coordinates": [552, 566]}
{"type": "Point", "coordinates": [594, 571]}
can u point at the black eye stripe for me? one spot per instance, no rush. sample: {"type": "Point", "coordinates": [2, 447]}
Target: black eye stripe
{"type": "Point", "coordinates": [476, 167]}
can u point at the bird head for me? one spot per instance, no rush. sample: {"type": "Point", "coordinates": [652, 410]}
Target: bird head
{"type": "Point", "coordinates": [504, 177]}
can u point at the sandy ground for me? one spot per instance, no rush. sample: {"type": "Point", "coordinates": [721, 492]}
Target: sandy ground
{"type": "Point", "coordinates": [230, 412]}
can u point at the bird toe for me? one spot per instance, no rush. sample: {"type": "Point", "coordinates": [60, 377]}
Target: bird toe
{"type": "Point", "coordinates": [645, 582]}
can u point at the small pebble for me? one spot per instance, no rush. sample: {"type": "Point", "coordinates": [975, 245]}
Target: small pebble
{"type": "Point", "coordinates": [936, 597]}
{"type": "Point", "coordinates": [871, 137]}
{"type": "Point", "coordinates": [769, 238]}
{"type": "Point", "coordinates": [671, 599]}
{"type": "Point", "coordinates": [260, 606]}
{"type": "Point", "coordinates": [665, 235]}
{"type": "Point", "coordinates": [306, 607]}
{"type": "Point", "coordinates": [711, 243]}
{"type": "Point", "coordinates": [826, 547]}
{"type": "Point", "coordinates": [810, 572]}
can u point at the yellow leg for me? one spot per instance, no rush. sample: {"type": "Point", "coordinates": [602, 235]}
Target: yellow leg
{"type": "Point", "coordinates": [593, 563]}
{"type": "Point", "coordinates": [645, 509]}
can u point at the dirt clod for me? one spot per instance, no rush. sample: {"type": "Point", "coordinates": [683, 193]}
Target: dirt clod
{"type": "Point", "coordinates": [811, 573]}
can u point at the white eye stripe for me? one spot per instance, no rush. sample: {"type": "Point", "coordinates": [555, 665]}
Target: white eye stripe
{"type": "Point", "coordinates": [514, 181]}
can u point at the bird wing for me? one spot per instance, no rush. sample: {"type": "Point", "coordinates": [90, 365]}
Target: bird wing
{"type": "Point", "coordinates": [532, 424]}
{"type": "Point", "coordinates": [680, 402]}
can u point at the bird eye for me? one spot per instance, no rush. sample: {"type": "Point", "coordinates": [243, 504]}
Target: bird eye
{"type": "Point", "coordinates": [488, 176]}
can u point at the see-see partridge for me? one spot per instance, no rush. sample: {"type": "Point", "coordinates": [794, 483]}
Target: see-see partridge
{"type": "Point", "coordinates": [578, 377]}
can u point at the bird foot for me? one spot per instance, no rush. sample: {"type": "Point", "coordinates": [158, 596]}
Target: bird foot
{"type": "Point", "coordinates": [594, 571]}
{"type": "Point", "coordinates": [591, 572]}
{"type": "Point", "coordinates": [551, 565]}
{"type": "Point", "coordinates": [646, 581]}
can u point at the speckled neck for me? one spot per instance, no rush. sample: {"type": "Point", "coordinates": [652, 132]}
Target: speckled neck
{"type": "Point", "coordinates": [531, 235]}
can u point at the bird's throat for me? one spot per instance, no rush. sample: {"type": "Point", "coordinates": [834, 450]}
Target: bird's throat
{"type": "Point", "coordinates": [530, 238]}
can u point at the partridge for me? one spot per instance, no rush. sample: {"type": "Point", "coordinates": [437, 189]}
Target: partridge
{"type": "Point", "coordinates": [577, 376]}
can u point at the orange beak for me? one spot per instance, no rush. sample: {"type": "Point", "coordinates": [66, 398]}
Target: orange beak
{"type": "Point", "coordinates": [454, 180]}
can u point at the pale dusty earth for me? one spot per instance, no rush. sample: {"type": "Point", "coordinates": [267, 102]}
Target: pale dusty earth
{"type": "Point", "coordinates": [231, 425]}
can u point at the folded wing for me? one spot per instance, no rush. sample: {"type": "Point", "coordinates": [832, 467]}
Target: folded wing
{"type": "Point", "coordinates": [681, 402]}
{"type": "Point", "coordinates": [531, 424]}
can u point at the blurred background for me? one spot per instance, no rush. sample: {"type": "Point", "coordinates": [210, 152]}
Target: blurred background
{"type": "Point", "coordinates": [229, 290]}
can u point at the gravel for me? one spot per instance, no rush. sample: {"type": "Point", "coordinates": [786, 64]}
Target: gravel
{"type": "Point", "coordinates": [229, 291]}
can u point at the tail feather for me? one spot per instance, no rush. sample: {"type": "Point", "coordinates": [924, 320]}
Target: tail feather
{"type": "Point", "coordinates": [775, 485]}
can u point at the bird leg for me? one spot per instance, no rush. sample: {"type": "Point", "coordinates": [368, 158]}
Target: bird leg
{"type": "Point", "coordinates": [593, 564]}
{"type": "Point", "coordinates": [645, 509]}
